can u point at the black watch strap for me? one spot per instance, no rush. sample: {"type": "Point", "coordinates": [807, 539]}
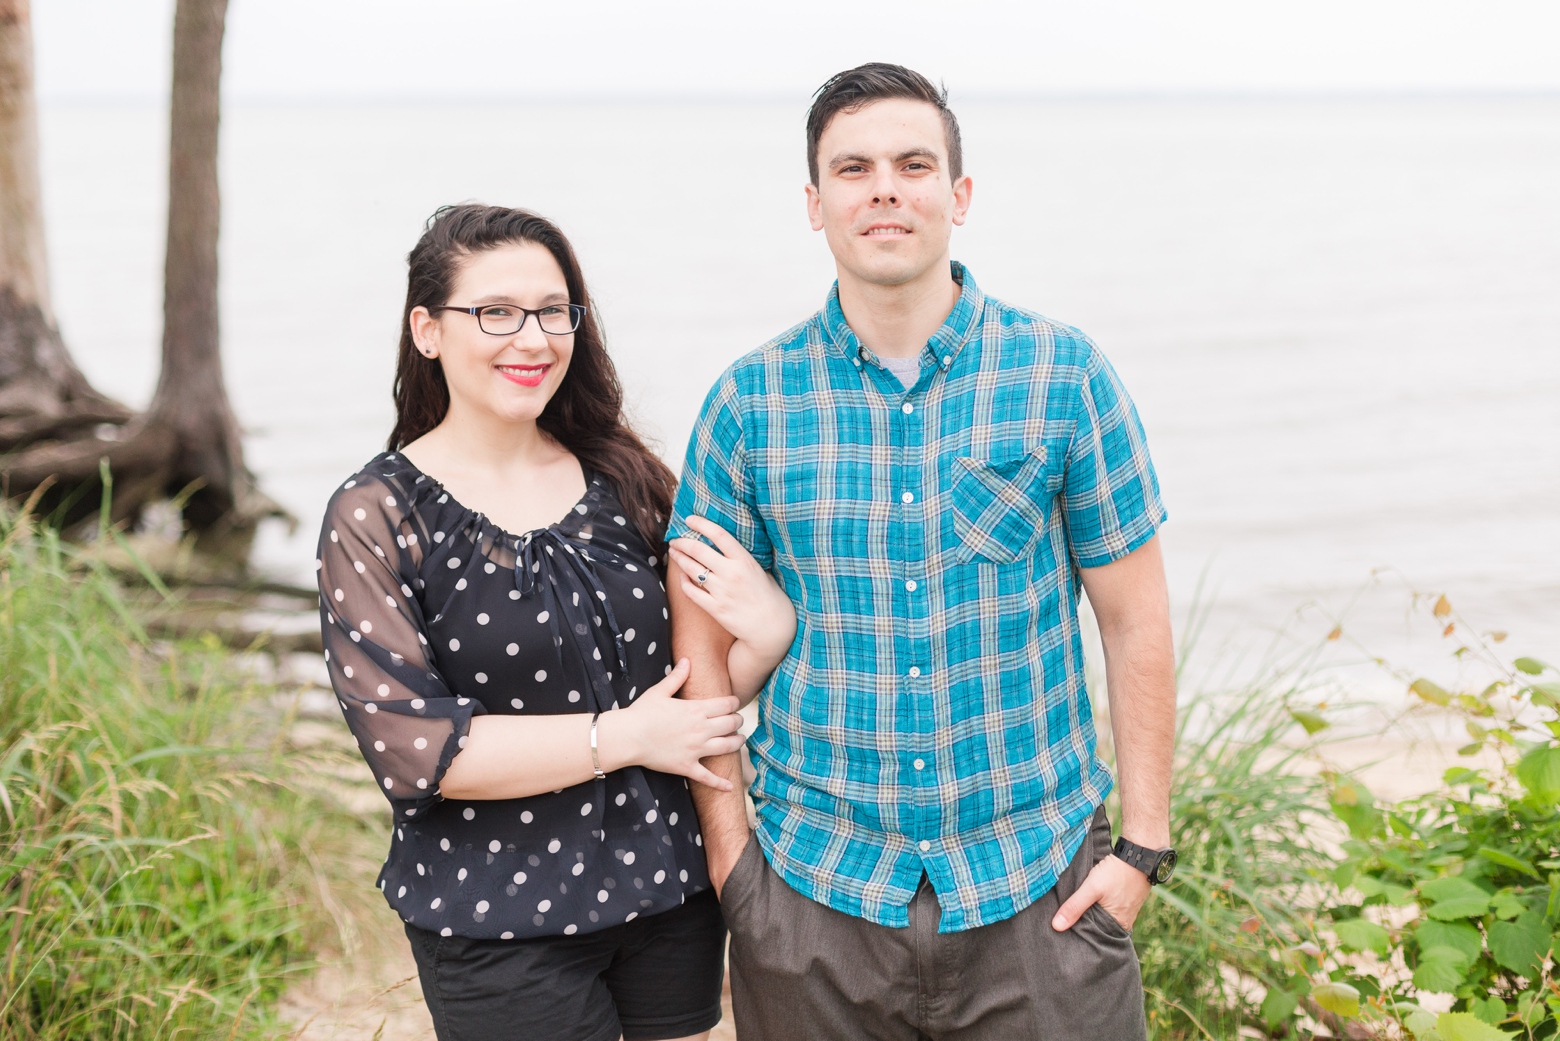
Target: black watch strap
{"type": "Point", "coordinates": [1157, 864]}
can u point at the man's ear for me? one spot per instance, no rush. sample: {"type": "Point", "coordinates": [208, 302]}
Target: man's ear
{"type": "Point", "coordinates": [963, 188]}
{"type": "Point", "coordinates": [814, 207]}
{"type": "Point", "coordinates": [425, 332]}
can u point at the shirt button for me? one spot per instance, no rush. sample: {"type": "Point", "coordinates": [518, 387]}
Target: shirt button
{"type": "Point", "coordinates": [910, 585]}
{"type": "Point", "coordinates": [947, 360]}
{"type": "Point", "coordinates": [924, 845]}
{"type": "Point", "coordinates": [915, 670]}
{"type": "Point", "coordinates": [907, 408]}
{"type": "Point", "coordinates": [920, 764]}
{"type": "Point", "coordinates": [907, 497]}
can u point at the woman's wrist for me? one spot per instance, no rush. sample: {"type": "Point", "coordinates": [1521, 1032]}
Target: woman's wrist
{"type": "Point", "coordinates": [616, 745]}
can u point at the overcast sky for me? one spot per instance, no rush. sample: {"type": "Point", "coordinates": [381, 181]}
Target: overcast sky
{"type": "Point", "coordinates": [395, 49]}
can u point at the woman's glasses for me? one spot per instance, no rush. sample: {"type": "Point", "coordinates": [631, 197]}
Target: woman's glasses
{"type": "Point", "coordinates": [507, 319]}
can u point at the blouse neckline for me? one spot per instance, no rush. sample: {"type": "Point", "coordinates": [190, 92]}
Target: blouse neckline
{"type": "Point", "coordinates": [562, 525]}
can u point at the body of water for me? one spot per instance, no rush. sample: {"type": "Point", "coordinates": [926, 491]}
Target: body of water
{"type": "Point", "coordinates": [1340, 319]}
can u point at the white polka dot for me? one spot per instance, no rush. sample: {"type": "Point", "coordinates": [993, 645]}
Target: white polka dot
{"type": "Point", "coordinates": [366, 626]}
{"type": "Point", "coordinates": [422, 782]}
{"type": "Point", "coordinates": [650, 649]}
{"type": "Point", "coordinates": [554, 846]}
{"type": "Point", "coordinates": [454, 645]}
{"type": "Point", "coordinates": [379, 746]}
{"type": "Point", "coordinates": [578, 869]}
{"type": "Point", "coordinates": [544, 906]}
{"type": "Point", "coordinates": [585, 810]}
{"type": "Point", "coordinates": [671, 818]}
{"type": "Point", "coordinates": [347, 671]}
{"type": "Point", "coordinates": [468, 813]}
{"type": "Point", "coordinates": [460, 876]}
{"type": "Point", "coordinates": [495, 846]}
{"type": "Point", "coordinates": [541, 674]}
{"type": "Point", "coordinates": [411, 540]}
{"type": "Point", "coordinates": [461, 584]}
{"type": "Point", "coordinates": [628, 637]}
{"type": "Point", "coordinates": [514, 594]}
{"type": "Point", "coordinates": [628, 858]}
{"type": "Point", "coordinates": [351, 484]}
{"type": "Point", "coordinates": [401, 891]}
{"type": "Point", "coordinates": [481, 677]}
{"type": "Point", "coordinates": [418, 703]}
{"type": "Point", "coordinates": [371, 708]}
{"type": "Point", "coordinates": [621, 798]}
{"type": "Point", "coordinates": [438, 536]}
{"type": "Point", "coordinates": [446, 931]}
{"type": "Point", "coordinates": [660, 876]}
{"type": "Point", "coordinates": [333, 536]}
{"type": "Point", "coordinates": [461, 741]}
{"type": "Point", "coordinates": [543, 616]}
{"type": "Point", "coordinates": [630, 567]}
{"type": "Point", "coordinates": [601, 896]}
{"type": "Point", "coordinates": [357, 637]}
{"type": "Point", "coordinates": [444, 844]}
{"type": "Point", "coordinates": [580, 509]}
{"type": "Point", "coordinates": [390, 600]}
{"type": "Point", "coordinates": [619, 520]}
{"type": "Point", "coordinates": [519, 878]}
{"type": "Point", "coordinates": [631, 916]}
{"type": "Point", "coordinates": [400, 540]}
{"type": "Point", "coordinates": [526, 817]}
{"type": "Point", "coordinates": [453, 564]}
{"type": "Point", "coordinates": [339, 594]}
{"type": "Point", "coordinates": [383, 690]}
{"type": "Point", "coordinates": [506, 935]}
{"type": "Point", "coordinates": [639, 594]}
{"type": "Point", "coordinates": [683, 874]}
{"type": "Point", "coordinates": [650, 817]}
{"type": "Point", "coordinates": [436, 902]}
{"type": "Point", "coordinates": [574, 695]}
{"type": "Point", "coordinates": [482, 619]}
{"type": "Point", "coordinates": [512, 649]}
{"type": "Point", "coordinates": [360, 514]}
{"type": "Point", "coordinates": [482, 906]}
{"type": "Point", "coordinates": [490, 567]}
{"type": "Point", "coordinates": [357, 565]}
{"type": "Point", "coordinates": [570, 930]}
{"type": "Point", "coordinates": [406, 590]}
{"type": "Point", "coordinates": [422, 742]}
{"type": "Point", "coordinates": [389, 784]}
{"type": "Point", "coordinates": [517, 703]}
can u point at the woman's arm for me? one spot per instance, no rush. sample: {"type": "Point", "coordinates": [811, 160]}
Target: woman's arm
{"type": "Point", "coordinates": [510, 757]}
{"type": "Point", "coordinates": [743, 598]}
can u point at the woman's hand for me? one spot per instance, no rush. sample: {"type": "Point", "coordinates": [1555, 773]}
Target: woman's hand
{"type": "Point", "coordinates": [666, 733]}
{"type": "Point", "coordinates": [735, 591]}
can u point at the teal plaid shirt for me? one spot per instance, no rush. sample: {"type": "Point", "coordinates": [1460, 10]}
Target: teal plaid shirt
{"type": "Point", "coordinates": [931, 715]}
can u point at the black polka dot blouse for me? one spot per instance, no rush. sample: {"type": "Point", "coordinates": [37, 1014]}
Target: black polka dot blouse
{"type": "Point", "coordinates": [432, 614]}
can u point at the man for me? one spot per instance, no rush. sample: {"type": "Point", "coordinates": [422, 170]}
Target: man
{"type": "Point", "coordinates": [931, 474]}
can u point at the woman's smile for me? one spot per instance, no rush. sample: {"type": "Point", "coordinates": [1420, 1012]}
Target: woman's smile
{"type": "Point", "coordinates": [525, 375]}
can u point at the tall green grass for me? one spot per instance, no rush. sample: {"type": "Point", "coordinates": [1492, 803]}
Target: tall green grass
{"type": "Point", "coordinates": [155, 864]}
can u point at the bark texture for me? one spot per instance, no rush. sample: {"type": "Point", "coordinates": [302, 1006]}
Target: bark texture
{"type": "Point", "coordinates": [52, 424]}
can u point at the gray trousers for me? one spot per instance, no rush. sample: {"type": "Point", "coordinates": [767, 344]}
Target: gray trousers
{"type": "Point", "coordinates": [802, 971]}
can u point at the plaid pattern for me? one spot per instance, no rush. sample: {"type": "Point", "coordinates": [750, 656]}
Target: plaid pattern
{"type": "Point", "coordinates": [931, 715]}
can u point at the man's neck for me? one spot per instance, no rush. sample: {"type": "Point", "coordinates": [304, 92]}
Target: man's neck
{"type": "Point", "coordinates": [896, 321]}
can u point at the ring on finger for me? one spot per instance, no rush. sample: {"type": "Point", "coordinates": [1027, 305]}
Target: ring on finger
{"type": "Point", "coordinates": [702, 576]}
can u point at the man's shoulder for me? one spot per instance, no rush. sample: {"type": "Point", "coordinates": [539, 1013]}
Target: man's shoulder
{"type": "Point", "coordinates": [755, 372]}
{"type": "Point", "coordinates": [1027, 334]}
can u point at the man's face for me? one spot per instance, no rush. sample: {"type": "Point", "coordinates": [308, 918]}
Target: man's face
{"type": "Point", "coordinates": [884, 198]}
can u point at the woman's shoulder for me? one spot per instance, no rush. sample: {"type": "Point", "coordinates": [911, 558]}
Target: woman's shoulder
{"type": "Point", "coordinates": [387, 485]}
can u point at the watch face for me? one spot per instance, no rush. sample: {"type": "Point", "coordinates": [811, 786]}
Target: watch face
{"type": "Point", "coordinates": [1165, 868]}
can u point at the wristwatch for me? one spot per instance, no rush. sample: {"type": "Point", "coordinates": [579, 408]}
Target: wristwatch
{"type": "Point", "coordinates": [1157, 864]}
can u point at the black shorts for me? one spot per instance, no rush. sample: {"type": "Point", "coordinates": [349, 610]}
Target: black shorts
{"type": "Point", "coordinates": [646, 980]}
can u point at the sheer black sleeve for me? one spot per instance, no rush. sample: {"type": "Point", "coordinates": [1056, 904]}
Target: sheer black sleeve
{"type": "Point", "coordinates": [406, 721]}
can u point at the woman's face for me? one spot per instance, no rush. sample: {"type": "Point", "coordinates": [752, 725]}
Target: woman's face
{"type": "Point", "coordinates": [510, 377]}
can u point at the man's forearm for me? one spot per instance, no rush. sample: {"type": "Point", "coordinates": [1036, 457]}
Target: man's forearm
{"type": "Point", "coordinates": [722, 815]}
{"type": "Point", "coordinates": [1140, 676]}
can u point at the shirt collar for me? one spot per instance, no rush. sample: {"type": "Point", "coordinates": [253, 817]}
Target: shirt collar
{"type": "Point", "coordinates": [944, 346]}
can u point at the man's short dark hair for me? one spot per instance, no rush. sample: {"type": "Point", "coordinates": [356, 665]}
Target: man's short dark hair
{"type": "Point", "coordinates": [877, 81]}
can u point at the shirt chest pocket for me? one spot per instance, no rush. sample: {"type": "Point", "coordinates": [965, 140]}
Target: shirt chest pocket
{"type": "Point", "coordinates": [1000, 506]}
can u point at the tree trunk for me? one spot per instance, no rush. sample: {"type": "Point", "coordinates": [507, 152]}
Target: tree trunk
{"type": "Point", "coordinates": [43, 395]}
{"type": "Point", "coordinates": [188, 442]}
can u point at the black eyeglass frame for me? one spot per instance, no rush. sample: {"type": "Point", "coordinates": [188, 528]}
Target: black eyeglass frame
{"type": "Point", "coordinates": [577, 311]}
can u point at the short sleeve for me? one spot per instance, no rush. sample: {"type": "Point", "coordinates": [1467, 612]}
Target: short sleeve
{"type": "Point", "coordinates": [716, 483]}
{"type": "Point", "coordinates": [1110, 493]}
{"type": "Point", "coordinates": [407, 723]}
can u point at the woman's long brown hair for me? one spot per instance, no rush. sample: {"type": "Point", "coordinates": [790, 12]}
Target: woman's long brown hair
{"type": "Point", "coordinates": [585, 415]}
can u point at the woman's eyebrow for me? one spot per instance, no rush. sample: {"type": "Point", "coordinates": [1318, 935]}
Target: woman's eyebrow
{"type": "Point", "coordinates": [504, 298]}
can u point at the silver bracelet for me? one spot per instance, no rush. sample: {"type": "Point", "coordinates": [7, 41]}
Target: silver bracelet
{"type": "Point", "coordinates": [595, 753]}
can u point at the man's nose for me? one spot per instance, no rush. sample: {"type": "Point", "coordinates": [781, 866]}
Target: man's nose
{"type": "Point", "coordinates": [884, 191]}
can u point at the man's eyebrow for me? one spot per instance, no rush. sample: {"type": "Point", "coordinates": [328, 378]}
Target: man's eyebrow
{"type": "Point", "coordinates": [849, 158]}
{"type": "Point", "coordinates": [918, 153]}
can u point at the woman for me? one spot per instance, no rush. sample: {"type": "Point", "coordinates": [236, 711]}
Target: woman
{"type": "Point", "coordinates": [496, 627]}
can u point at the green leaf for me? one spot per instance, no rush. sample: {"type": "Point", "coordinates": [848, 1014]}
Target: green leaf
{"type": "Point", "coordinates": [1455, 897]}
{"type": "Point", "coordinates": [1529, 1009]}
{"type": "Point", "coordinates": [1358, 934]}
{"type": "Point", "coordinates": [1461, 775]}
{"type": "Point", "coordinates": [1430, 692]}
{"type": "Point", "coordinates": [1520, 945]}
{"type": "Point", "coordinates": [1491, 1009]}
{"type": "Point", "coordinates": [1440, 970]}
{"type": "Point", "coordinates": [1539, 772]}
{"type": "Point", "coordinates": [1422, 1025]}
{"type": "Point", "coordinates": [1398, 896]}
{"type": "Point", "coordinates": [1278, 1006]}
{"type": "Point", "coordinates": [1495, 856]}
{"type": "Point", "coordinates": [1531, 666]}
{"type": "Point", "coordinates": [1353, 804]}
{"type": "Point", "coordinates": [1338, 998]}
{"type": "Point", "coordinates": [1547, 694]}
{"type": "Point", "coordinates": [1460, 936]}
{"type": "Point", "coordinates": [1507, 905]}
{"type": "Point", "coordinates": [1312, 721]}
{"type": "Point", "coordinates": [1465, 1026]}
{"type": "Point", "coordinates": [1369, 886]}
